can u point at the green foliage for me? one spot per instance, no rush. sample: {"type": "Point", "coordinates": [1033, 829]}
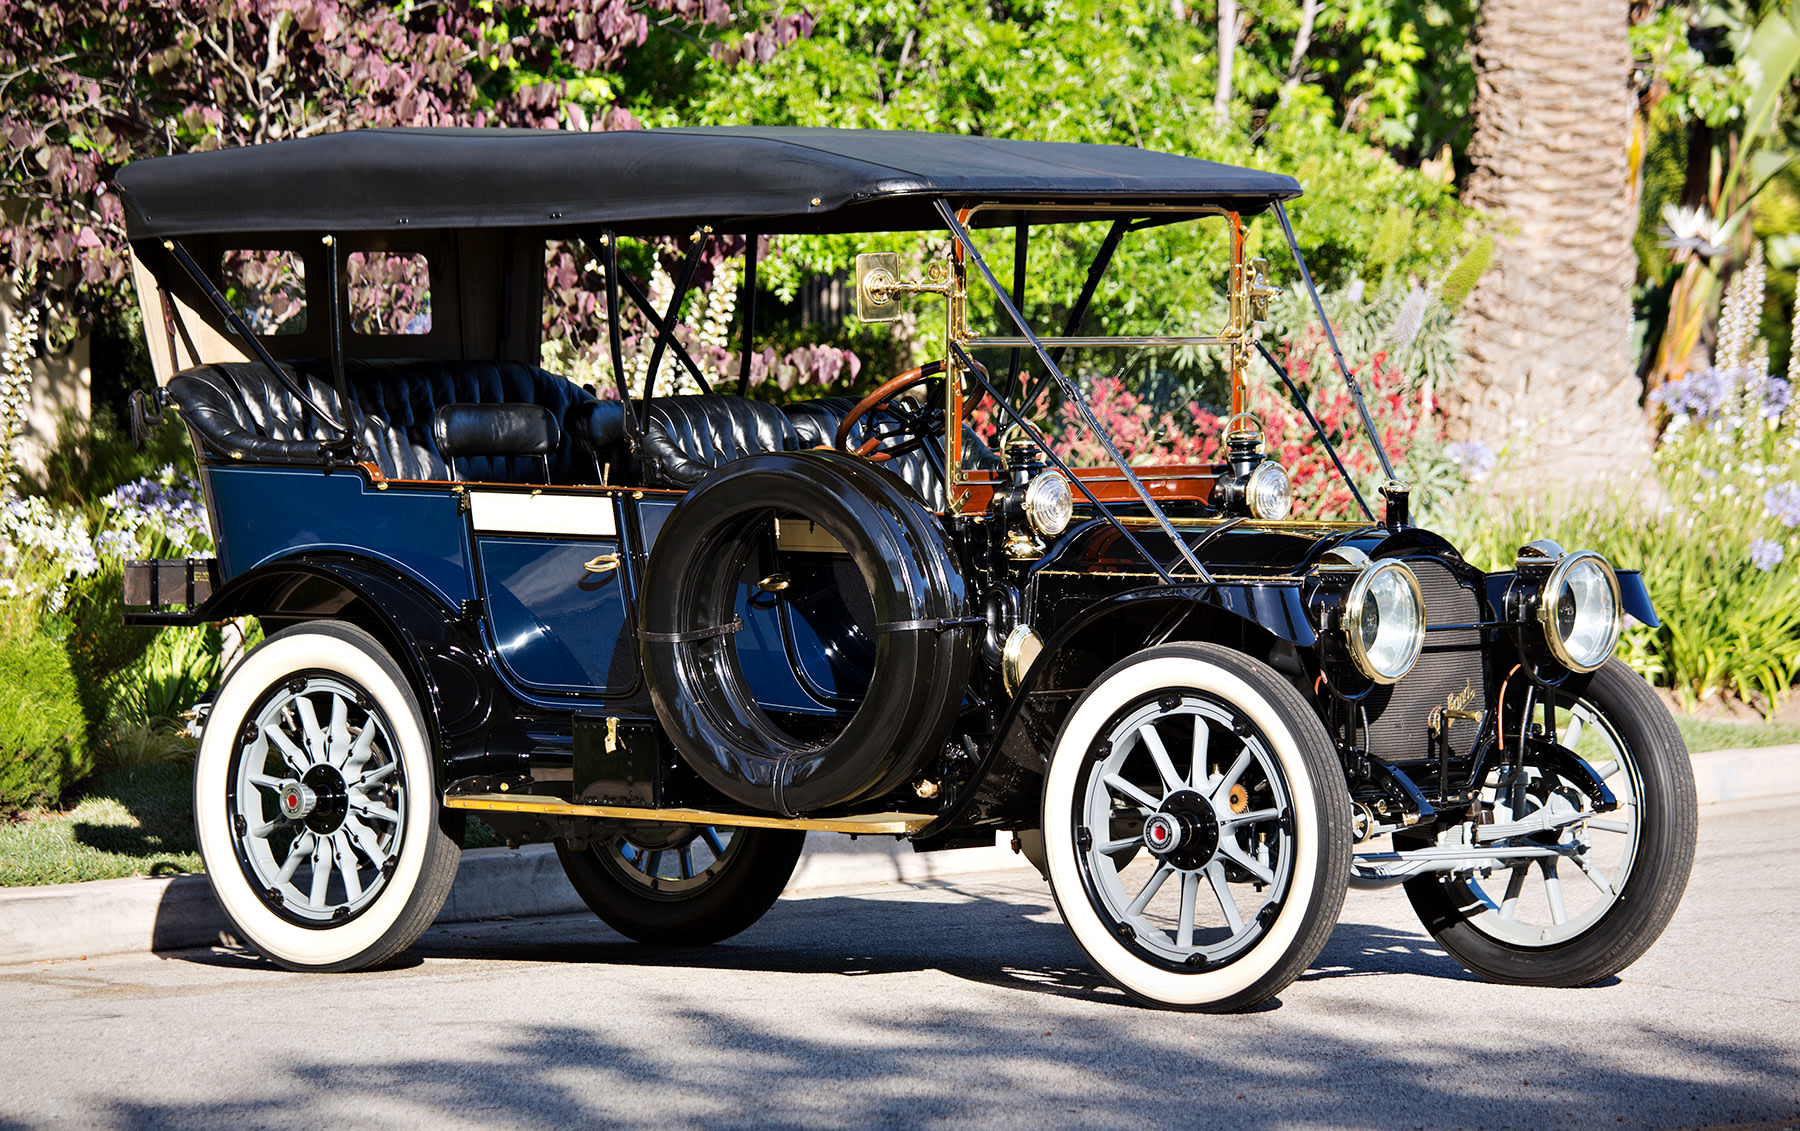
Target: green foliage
{"type": "Point", "coordinates": [1468, 271]}
{"type": "Point", "coordinates": [131, 822]}
{"type": "Point", "coordinates": [1712, 734]}
{"type": "Point", "coordinates": [173, 671]}
{"type": "Point", "coordinates": [1728, 627]}
{"type": "Point", "coordinates": [99, 645]}
{"type": "Point", "coordinates": [1721, 558]}
{"type": "Point", "coordinates": [43, 730]}
{"type": "Point", "coordinates": [91, 457]}
{"type": "Point", "coordinates": [1134, 73]}
{"type": "Point", "coordinates": [1407, 77]}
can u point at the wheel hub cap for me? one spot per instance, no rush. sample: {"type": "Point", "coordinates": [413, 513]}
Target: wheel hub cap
{"type": "Point", "coordinates": [297, 800]}
{"type": "Point", "coordinates": [1184, 831]}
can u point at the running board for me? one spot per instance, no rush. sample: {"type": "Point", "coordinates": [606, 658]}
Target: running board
{"type": "Point", "coordinates": [880, 824]}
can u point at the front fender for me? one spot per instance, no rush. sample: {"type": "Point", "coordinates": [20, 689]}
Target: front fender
{"type": "Point", "coordinates": [1250, 617]}
{"type": "Point", "coordinates": [1634, 595]}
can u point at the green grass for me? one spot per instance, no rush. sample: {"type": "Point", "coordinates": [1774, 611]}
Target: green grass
{"type": "Point", "coordinates": [1711, 734]}
{"type": "Point", "coordinates": [136, 822]}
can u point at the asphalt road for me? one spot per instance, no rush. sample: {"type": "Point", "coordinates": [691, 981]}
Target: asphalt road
{"type": "Point", "coordinates": [962, 1001]}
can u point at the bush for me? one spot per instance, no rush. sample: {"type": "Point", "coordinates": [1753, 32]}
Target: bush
{"type": "Point", "coordinates": [1728, 626]}
{"type": "Point", "coordinates": [43, 730]}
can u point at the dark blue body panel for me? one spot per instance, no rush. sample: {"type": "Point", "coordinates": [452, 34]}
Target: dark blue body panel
{"type": "Point", "coordinates": [263, 513]}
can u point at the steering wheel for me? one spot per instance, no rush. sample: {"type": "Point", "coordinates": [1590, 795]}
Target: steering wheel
{"type": "Point", "coordinates": [920, 423]}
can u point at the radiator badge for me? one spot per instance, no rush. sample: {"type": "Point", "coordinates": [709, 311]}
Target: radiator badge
{"type": "Point", "coordinates": [1455, 707]}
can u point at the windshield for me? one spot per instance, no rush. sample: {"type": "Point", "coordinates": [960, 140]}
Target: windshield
{"type": "Point", "coordinates": [1163, 354]}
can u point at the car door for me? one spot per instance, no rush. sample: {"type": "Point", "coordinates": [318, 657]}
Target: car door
{"type": "Point", "coordinates": [554, 585]}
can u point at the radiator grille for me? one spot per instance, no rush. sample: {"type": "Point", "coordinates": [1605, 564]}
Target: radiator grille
{"type": "Point", "coordinates": [1450, 662]}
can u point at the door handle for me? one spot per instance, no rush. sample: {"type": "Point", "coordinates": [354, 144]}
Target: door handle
{"type": "Point", "coordinates": [605, 563]}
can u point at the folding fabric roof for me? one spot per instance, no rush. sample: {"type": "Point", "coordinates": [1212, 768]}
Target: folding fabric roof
{"type": "Point", "coordinates": [735, 178]}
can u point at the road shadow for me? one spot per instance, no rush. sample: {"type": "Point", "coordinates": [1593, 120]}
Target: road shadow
{"type": "Point", "coordinates": [1015, 942]}
{"type": "Point", "coordinates": [713, 1066]}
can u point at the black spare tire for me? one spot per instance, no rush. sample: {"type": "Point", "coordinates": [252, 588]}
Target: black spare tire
{"type": "Point", "coordinates": [922, 645]}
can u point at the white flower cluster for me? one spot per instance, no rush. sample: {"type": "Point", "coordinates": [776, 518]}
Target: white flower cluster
{"type": "Point", "coordinates": [162, 515]}
{"type": "Point", "coordinates": [41, 548]}
{"type": "Point", "coordinates": [15, 388]}
{"type": "Point", "coordinates": [1740, 344]}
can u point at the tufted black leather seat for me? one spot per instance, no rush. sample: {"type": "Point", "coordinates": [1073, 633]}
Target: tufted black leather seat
{"type": "Point", "coordinates": [686, 437]}
{"type": "Point", "coordinates": [239, 408]}
{"type": "Point", "coordinates": [922, 468]}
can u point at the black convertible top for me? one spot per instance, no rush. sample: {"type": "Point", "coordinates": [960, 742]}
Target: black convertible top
{"type": "Point", "coordinates": [778, 179]}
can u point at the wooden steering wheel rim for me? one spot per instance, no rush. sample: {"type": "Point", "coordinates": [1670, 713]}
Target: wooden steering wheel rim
{"type": "Point", "coordinates": [868, 404]}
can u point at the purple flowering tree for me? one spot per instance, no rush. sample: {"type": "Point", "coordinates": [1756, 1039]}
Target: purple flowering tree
{"type": "Point", "coordinates": [85, 88]}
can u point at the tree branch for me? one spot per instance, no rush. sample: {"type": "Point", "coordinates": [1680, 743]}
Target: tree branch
{"type": "Point", "coordinates": [1309, 15]}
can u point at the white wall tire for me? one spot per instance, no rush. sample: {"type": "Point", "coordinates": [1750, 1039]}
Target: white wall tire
{"type": "Point", "coordinates": [1226, 706]}
{"type": "Point", "coordinates": [317, 733]}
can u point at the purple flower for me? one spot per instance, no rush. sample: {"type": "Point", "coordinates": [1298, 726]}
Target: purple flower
{"type": "Point", "coordinates": [117, 543]}
{"type": "Point", "coordinates": [1699, 395]}
{"type": "Point", "coordinates": [1778, 394]}
{"type": "Point", "coordinates": [1765, 554]}
{"type": "Point", "coordinates": [1474, 457]}
{"type": "Point", "coordinates": [1784, 503]}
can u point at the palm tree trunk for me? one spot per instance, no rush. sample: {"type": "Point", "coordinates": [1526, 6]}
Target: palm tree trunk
{"type": "Point", "coordinates": [1548, 371]}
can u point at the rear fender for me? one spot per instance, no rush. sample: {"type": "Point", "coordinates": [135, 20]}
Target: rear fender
{"type": "Point", "coordinates": [437, 647]}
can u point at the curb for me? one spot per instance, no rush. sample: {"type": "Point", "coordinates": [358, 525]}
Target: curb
{"type": "Point", "coordinates": [60, 921]}
{"type": "Point", "coordinates": [138, 914]}
{"type": "Point", "coordinates": [1742, 775]}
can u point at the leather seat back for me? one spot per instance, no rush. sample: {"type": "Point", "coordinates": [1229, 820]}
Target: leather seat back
{"type": "Point", "coordinates": [686, 437]}
{"type": "Point", "coordinates": [510, 429]}
{"type": "Point", "coordinates": [239, 408]}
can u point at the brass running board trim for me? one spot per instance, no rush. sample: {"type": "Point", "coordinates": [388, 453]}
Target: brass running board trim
{"type": "Point", "coordinates": [892, 824]}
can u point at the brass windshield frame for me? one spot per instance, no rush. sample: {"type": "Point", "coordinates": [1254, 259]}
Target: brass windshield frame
{"type": "Point", "coordinates": [1246, 290]}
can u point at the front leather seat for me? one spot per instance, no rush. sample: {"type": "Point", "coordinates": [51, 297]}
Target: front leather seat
{"type": "Point", "coordinates": [686, 437]}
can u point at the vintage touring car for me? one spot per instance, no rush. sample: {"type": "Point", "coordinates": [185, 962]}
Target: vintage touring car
{"type": "Point", "coordinates": [673, 633]}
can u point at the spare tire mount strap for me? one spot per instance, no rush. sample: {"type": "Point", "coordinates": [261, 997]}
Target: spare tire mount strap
{"type": "Point", "coordinates": [736, 625]}
{"type": "Point", "coordinates": [934, 624]}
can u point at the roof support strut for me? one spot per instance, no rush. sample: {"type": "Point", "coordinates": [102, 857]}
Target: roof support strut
{"type": "Point", "coordinates": [665, 327]}
{"type": "Point", "coordinates": [751, 239]}
{"type": "Point", "coordinates": [976, 370]}
{"type": "Point", "coordinates": [1318, 429]}
{"type": "Point", "coordinates": [345, 440]}
{"type": "Point", "coordinates": [1362, 409]}
{"type": "Point", "coordinates": [609, 259]}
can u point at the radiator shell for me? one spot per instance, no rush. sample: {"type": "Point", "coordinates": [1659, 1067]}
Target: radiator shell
{"type": "Point", "coordinates": [1451, 664]}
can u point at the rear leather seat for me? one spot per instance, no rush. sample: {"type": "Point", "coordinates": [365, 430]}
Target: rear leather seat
{"type": "Point", "coordinates": [240, 409]}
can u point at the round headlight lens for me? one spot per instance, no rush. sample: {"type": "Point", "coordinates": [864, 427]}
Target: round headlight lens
{"type": "Point", "coordinates": [1269, 492]}
{"type": "Point", "coordinates": [1385, 621]}
{"type": "Point", "coordinates": [1580, 611]}
{"type": "Point", "coordinates": [1049, 503]}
